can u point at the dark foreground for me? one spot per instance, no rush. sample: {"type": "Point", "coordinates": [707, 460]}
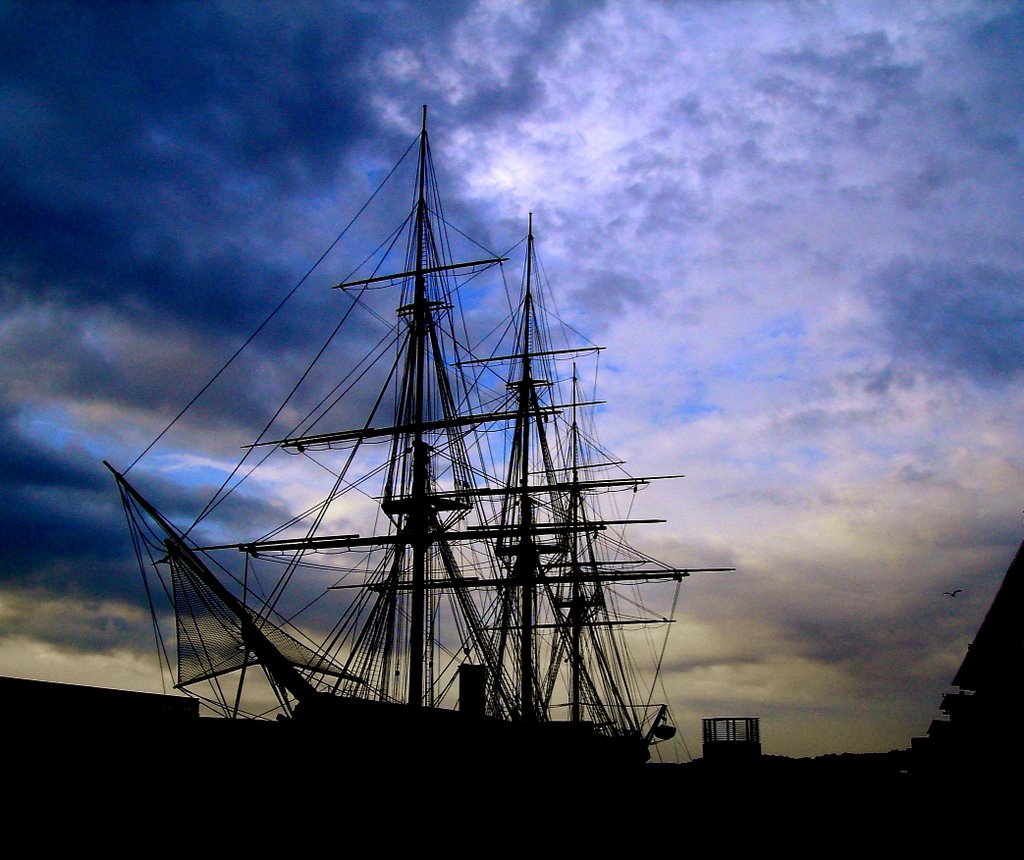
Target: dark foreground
{"type": "Point", "coordinates": [272, 786]}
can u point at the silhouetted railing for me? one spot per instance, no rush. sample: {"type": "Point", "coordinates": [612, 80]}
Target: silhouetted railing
{"type": "Point", "coordinates": [732, 738]}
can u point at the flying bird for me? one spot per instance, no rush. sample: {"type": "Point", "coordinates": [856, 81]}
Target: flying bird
{"type": "Point", "coordinates": [953, 593]}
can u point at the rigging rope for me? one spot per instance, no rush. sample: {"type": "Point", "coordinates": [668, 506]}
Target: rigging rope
{"type": "Point", "coordinates": [275, 311]}
{"type": "Point", "coordinates": [218, 498]}
{"type": "Point", "coordinates": [664, 646]}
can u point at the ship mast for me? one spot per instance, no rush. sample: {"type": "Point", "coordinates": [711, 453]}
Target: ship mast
{"type": "Point", "coordinates": [554, 507]}
{"type": "Point", "coordinates": [426, 421]}
{"type": "Point", "coordinates": [524, 571]}
{"type": "Point", "coordinates": [576, 607]}
{"type": "Point", "coordinates": [521, 525]}
{"type": "Point", "coordinates": [419, 514]}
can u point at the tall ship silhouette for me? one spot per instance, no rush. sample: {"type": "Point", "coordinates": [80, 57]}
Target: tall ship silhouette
{"type": "Point", "coordinates": [463, 580]}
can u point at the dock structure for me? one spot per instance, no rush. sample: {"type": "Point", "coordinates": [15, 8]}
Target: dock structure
{"type": "Point", "coordinates": [732, 739]}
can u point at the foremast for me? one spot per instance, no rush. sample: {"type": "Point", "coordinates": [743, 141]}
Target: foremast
{"type": "Point", "coordinates": [419, 514]}
{"type": "Point", "coordinates": [428, 429]}
{"type": "Point", "coordinates": [426, 413]}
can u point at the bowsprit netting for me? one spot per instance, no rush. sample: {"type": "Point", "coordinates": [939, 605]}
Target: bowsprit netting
{"type": "Point", "coordinates": [212, 639]}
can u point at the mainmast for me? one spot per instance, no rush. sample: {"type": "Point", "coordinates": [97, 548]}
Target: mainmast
{"type": "Point", "coordinates": [419, 514]}
{"type": "Point", "coordinates": [427, 428]}
{"type": "Point", "coordinates": [426, 443]}
{"type": "Point", "coordinates": [524, 572]}
{"type": "Point", "coordinates": [576, 601]}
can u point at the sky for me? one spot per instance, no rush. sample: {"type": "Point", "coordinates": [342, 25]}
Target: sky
{"type": "Point", "coordinates": [796, 227]}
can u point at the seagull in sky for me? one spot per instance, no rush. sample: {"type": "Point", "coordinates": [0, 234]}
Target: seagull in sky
{"type": "Point", "coordinates": [953, 593]}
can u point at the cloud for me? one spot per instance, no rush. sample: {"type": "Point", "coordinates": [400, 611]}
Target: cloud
{"type": "Point", "coordinates": [73, 626]}
{"type": "Point", "coordinates": [141, 151]}
{"type": "Point", "coordinates": [955, 318]}
{"type": "Point", "coordinates": [847, 84]}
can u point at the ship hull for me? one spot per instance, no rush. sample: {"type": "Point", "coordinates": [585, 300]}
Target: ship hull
{"type": "Point", "coordinates": [393, 733]}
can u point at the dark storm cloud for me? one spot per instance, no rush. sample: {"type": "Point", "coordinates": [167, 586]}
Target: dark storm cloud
{"type": "Point", "coordinates": [53, 355]}
{"type": "Point", "coordinates": [860, 644]}
{"type": "Point", "coordinates": [25, 462]}
{"type": "Point", "coordinates": [61, 520]}
{"type": "Point", "coordinates": [63, 529]}
{"type": "Point", "coordinates": [145, 151]}
{"type": "Point", "coordinates": [146, 147]}
{"type": "Point", "coordinates": [126, 127]}
{"type": "Point", "coordinates": [140, 141]}
{"type": "Point", "coordinates": [955, 318]}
